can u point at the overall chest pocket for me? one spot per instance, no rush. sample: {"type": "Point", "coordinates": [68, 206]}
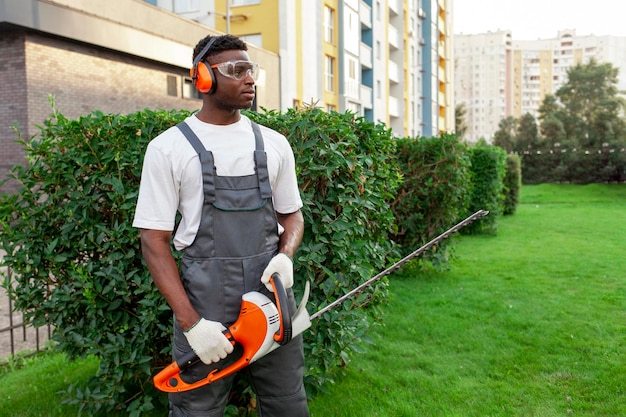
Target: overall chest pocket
{"type": "Point", "coordinates": [238, 194]}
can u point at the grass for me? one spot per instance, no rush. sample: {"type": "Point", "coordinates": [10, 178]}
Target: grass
{"type": "Point", "coordinates": [29, 387]}
{"type": "Point", "coordinates": [531, 322]}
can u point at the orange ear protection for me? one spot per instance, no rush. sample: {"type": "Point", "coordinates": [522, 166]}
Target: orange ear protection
{"type": "Point", "coordinates": [202, 73]}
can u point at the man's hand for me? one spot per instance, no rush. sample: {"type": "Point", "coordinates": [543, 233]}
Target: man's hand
{"type": "Point", "coordinates": [282, 265]}
{"type": "Point", "coordinates": [207, 340]}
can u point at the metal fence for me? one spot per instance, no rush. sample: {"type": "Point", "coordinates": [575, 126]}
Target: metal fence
{"type": "Point", "coordinates": [18, 338]}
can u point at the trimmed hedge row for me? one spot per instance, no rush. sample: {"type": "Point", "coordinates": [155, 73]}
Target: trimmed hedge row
{"type": "Point", "coordinates": [435, 193]}
{"type": "Point", "coordinates": [368, 198]}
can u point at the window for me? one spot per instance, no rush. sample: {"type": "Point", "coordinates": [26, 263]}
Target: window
{"type": "Point", "coordinates": [353, 107]}
{"type": "Point", "coordinates": [330, 108]}
{"type": "Point", "coordinates": [244, 2]}
{"type": "Point", "coordinates": [253, 39]}
{"type": "Point", "coordinates": [352, 83]}
{"type": "Point", "coordinates": [329, 72]}
{"type": "Point", "coordinates": [172, 86]}
{"type": "Point", "coordinates": [186, 6]}
{"type": "Point", "coordinates": [189, 90]}
{"type": "Point", "coordinates": [329, 24]}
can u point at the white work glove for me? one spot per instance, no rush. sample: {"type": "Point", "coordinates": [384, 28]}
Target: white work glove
{"type": "Point", "coordinates": [207, 340]}
{"type": "Point", "coordinates": [282, 265]}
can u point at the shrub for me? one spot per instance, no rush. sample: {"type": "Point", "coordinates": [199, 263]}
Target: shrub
{"type": "Point", "coordinates": [348, 176]}
{"type": "Point", "coordinates": [488, 169]}
{"type": "Point", "coordinates": [435, 192]}
{"type": "Point", "coordinates": [512, 183]}
{"type": "Point", "coordinates": [68, 238]}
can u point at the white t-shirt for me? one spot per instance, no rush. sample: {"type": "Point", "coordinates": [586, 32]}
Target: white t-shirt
{"type": "Point", "coordinates": [171, 178]}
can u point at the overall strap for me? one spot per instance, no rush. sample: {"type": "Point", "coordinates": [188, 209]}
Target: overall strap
{"type": "Point", "coordinates": [206, 161]}
{"type": "Point", "coordinates": [260, 159]}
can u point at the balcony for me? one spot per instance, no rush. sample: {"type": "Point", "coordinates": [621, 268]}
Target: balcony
{"type": "Point", "coordinates": [441, 26]}
{"type": "Point", "coordinates": [394, 7]}
{"type": "Point", "coordinates": [365, 56]}
{"type": "Point", "coordinates": [352, 88]}
{"type": "Point", "coordinates": [393, 37]}
{"type": "Point", "coordinates": [393, 107]}
{"type": "Point", "coordinates": [393, 72]}
{"type": "Point", "coordinates": [441, 73]}
{"type": "Point", "coordinates": [366, 97]}
{"type": "Point", "coordinates": [365, 15]}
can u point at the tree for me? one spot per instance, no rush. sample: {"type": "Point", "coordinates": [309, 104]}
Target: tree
{"type": "Point", "coordinates": [505, 135]}
{"type": "Point", "coordinates": [591, 106]}
{"type": "Point", "coordinates": [551, 121]}
{"type": "Point", "coordinates": [526, 134]}
{"type": "Point", "coordinates": [459, 120]}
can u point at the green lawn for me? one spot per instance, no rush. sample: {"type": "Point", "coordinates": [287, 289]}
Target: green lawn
{"type": "Point", "coordinates": [528, 323]}
{"type": "Point", "coordinates": [531, 322]}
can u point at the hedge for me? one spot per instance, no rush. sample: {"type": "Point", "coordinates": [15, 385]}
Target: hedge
{"type": "Point", "coordinates": [435, 193]}
{"type": "Point", "coordinates": [68, 238]}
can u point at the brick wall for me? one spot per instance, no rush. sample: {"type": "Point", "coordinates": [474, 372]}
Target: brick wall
{"type": "Point", "coordinates": [82, 78]}
{"type": "Point", "coordinates": [13, 108]}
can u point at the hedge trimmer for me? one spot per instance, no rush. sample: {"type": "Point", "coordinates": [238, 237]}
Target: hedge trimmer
{"type": "Point", "coordinates": [263, 326]}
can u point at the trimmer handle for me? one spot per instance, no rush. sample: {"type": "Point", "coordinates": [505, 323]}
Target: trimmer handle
{"type": "Point", "coordinates": [253, 330]}
{"type": "Point", "coordinates": [283, 336]}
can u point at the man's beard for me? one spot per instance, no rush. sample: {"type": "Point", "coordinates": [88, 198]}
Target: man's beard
{"type": "Point", "coordinates": [232, 106]}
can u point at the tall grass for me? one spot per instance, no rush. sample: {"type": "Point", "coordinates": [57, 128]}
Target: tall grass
{"type": "Point", "coordinates": [528, 323]}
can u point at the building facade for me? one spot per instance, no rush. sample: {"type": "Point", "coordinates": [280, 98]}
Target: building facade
{"type": "Point", "coordinates": [389, 61]}
{"type": "Point", "coordinates": [118, 56]}
{"type": "Point", "coordinates": [497, 77]}
{"type": "Point", "coordinates": [483, 81]}
{"type": "Point", "coordinates": [385, 60]}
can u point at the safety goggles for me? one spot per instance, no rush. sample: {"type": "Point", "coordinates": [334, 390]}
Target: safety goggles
{"type": "Point", "coordinates": [238, 70]}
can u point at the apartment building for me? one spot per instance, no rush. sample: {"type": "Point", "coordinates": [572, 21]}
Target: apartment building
{"type": "Point", "coordinates": [389, 61]}
{"type": "Point", "coordinates": [386, 60]}
{"type": "Point", "coordinates": [483, 81]}
{"type": "Point", "coordinates": [540, 66]}
{"type": "Point", "coordinates": [497, 77]}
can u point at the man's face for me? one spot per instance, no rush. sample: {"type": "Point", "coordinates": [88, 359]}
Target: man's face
{"type": "Point", "coordinates": [232, 94]}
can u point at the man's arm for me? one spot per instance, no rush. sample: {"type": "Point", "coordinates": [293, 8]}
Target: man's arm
{"type": "Point", "coordinates": [155, 246]}
{"type": "Point", "coordinates": [290, 239]}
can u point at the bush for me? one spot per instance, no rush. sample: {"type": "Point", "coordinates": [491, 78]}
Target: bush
{"type": "Point", "coordinates": [76, 259]}
{"type": "Point", "coordinates": [68, 238]}
{"type": "Point", "coordinates": [348, 176]}
{"type": "Point", "coordinates": [488, 169]}
{"type": "Point", "coordinates": [512, 183]}
{"type": "Point", "coordinates": [434, 194]}
{"type": "Point", "coordinates": [577, 166]}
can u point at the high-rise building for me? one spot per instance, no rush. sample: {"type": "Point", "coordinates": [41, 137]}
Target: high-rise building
{"type": "Point", "coordinates": [483, 81]}
{"type": "Point", "coordinates": [386, 60]}
{"type": "Point", "coordinates": [497, 77]}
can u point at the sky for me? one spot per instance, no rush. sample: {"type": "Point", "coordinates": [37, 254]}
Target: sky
{"type": "Point", "coordinates": [540, 19]}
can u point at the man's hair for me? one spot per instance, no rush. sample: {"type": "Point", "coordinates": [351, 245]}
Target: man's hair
{"type": "Point", "coordinates": [222, 43]}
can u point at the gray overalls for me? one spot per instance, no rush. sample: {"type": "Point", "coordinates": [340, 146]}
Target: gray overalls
{"type": "Point", "coordinates": [237, 237]}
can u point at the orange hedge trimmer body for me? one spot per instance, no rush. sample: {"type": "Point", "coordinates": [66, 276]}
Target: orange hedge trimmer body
{"type": "Point", "coordinates": [263, 326]}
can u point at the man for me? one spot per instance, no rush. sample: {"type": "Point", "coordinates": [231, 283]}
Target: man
{"type": "Point", "coordinates": [235, 187]}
